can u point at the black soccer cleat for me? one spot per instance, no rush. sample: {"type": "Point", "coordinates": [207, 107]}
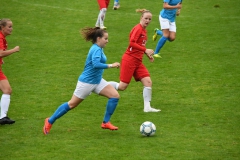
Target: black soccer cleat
{"type": "Point", "coordinates": [6, 120]}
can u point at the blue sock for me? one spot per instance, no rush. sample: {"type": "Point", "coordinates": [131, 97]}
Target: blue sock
{"type": "Point", "coordinates": [110, 108]}
{"type": "Point", "coordinates": [160, 44]}
{"type": "Point", "coordinates": [64, 108]}
{"type": "Point", "coordinates": [159, 32]}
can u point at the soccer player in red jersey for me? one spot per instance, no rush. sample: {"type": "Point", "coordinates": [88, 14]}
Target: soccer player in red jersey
{"type": "Point", "coordinates": [5, 30]}
{"type": "Point", "coordinates": [131, 64]}
{"type": "Point", "coordinates": [103, 5]}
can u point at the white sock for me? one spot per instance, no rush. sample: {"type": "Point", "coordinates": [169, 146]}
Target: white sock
{"type": "Point", "coordinates": [147, 97]}
{"type": "Point", "coordinates": [114, 84]}
{"type": "Point", "coordinates": [102, 16]}
{"type": "Point", "coordinates": [98, 19]}
{"type": "Point", "coordinates": [5, 102]}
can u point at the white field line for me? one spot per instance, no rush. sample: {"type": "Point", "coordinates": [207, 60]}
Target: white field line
{"type": "Point", "coordinates": [61, 8]}
{"type": "Point", "coordinates": [46, 6]}
{"type": "Point", "coordinates": [85, 11]}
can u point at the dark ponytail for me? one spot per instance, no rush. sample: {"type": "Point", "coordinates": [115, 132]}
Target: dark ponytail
{"type": "Point", "coordinates": [91, 34]}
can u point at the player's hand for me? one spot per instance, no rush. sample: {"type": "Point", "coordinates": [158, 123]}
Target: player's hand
{"type": "Point", "coordinates": [149, 53]}
{"type": "Point", "coordinates": [116, 65]}
{"type": "Point", "coordinates": [16, 49]}
{"type": "Point", "coordinates": [179, 6]}
{"type": "Point", "coordinates": [151, 59]}
{"type": "Point", "coordinates": [178, 12]}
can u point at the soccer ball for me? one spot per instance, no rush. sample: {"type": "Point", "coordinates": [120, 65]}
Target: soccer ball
{"type": "Point", "coordinates": [147, 128]}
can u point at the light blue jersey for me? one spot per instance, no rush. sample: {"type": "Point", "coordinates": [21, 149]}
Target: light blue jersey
{"type": "Point", "coordinates": [94, 66]}
{"type": "Point", "coordinates": [170, 14]}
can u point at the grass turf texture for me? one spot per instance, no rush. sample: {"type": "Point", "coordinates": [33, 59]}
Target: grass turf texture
{"type": "Point", "coordinates": [195, 84]}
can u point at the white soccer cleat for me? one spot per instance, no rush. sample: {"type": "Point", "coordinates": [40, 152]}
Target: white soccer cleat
{"type": "Point", "coordinates": [150, 109]}
{"type": "Point", "coordinates": [103, 27]}
{"type": "Point", "coordinates": [116, 6]}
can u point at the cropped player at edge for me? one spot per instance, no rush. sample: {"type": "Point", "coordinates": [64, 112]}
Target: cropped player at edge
{"type": "Point", "coordinates": [6, 27]}
{"type": "Point", "coordinates": [132, 65]}
{"type": "Point", "coordinates": [167, 17]}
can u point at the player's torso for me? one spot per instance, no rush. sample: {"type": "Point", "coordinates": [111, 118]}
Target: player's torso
{"type": "Point", "coordinates": [3, 42]}
{"type": "Point", "coordinates": [90, 74]}
{"type": "Point", "coordinates": [141, 39]}
{"type": "Point", "coordinates": [3, 45]}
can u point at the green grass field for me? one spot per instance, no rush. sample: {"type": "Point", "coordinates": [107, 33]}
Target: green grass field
{"type": "Point", "coordinates": [196, 84]}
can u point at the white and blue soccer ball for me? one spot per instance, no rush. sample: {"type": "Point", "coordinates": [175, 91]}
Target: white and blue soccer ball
{"type": "Point", "coordinates": [147, 128]}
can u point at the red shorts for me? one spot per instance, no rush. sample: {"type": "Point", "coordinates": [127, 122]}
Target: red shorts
{"type": "Point", "coordinates": [103, 3]}
{"type": "Point", "coordinates": [2, 76]}
{"type": "Point", "coordinates": [130, 67]}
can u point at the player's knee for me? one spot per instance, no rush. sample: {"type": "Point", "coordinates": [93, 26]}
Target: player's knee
{"type": "Point", "coordinates": [147, 82]}
{"type": "Point", "coordinates": [7, 91]}
{"type": "Point", "coordinates": [115, 95]}
{"type": "Point", "coordinates": [171, 39]}
{"type": "Point", "coordinates": [122, 88]}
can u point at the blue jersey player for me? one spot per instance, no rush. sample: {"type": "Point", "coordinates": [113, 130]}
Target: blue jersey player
{"type": "Point", "coordinates": [167, 16]}
{"type": "Point", "coordinates": [91, 80]}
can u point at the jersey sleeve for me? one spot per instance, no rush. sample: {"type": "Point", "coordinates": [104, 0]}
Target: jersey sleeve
{"type": "Point", "coordinates": [96, 60]}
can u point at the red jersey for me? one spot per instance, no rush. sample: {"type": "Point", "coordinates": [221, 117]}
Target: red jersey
{"type": "Point", "coordinates": [137, 42]}
{"type": "Point", "coordinates": [3, 45]}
